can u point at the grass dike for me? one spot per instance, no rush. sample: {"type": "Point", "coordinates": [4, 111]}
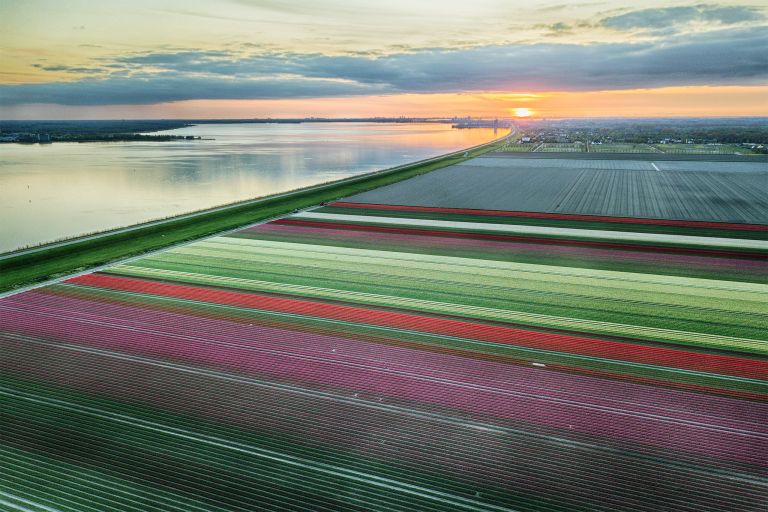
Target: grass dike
{"type": "Point", "coordinates": [34, 265]}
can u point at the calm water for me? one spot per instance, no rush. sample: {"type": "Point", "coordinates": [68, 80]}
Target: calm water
{"type": "Point", "coordinates": [55, 191]}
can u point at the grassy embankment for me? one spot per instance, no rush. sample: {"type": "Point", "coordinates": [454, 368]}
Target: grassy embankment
{"type": "Point", "coordinates": [62, 259]}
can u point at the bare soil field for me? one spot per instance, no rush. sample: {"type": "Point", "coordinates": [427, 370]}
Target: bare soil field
{"type": "Point", "coordinates": [732, 190]}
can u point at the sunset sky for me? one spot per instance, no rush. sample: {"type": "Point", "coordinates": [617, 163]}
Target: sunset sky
{"type": "Point", "coordinates": [334, 58]}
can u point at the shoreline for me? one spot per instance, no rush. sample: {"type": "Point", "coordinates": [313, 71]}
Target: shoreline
{"type": "Point", "coordinates": [56, 259]}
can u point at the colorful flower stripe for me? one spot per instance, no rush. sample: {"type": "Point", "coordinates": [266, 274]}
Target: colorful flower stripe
{"type": "Point", "coordinates": [748, 252]}
{"type": "Point", "coordinates": [555, 216]}
{"type": "Point", "coordinates": [601, 258]}
{"type": "Point", "coordinates": [565, 222]}
{"type": "Point", "coordinates": [712, 363]}
{"type": "Point", "coordinates": [413, 379]}
{"type": "Point", "coordinates": [565, 324]}
{"type": "Point", "coordinates": [337, 365]}
{"type": "Point", "coordinates": [508, 354]}
{"type": "Point", "coordinates": [630, 236]}
{"type": "Point", "coordinates": [704, 307]}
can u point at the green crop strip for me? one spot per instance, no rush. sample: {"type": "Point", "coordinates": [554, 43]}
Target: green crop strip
{"type": "Point", "coordinates": [660, 267]}
{"type": "Point", "coordinates": [530, 221]}
{"type": "Point", "coordinates": [635, 300]}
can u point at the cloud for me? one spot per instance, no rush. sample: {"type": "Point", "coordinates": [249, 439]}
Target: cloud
{"type": "Point", "coordinates": [656, 20]}
{"type": "Point", "coordinates": [161, 89]}
{"type": "Point", "coordinates": [557, 29]}
{"type": "Point", "coordinates": [724, 57]}
{"type": "Point", "coordinates": [571, 5]}
{"type": "Point", "coordinates": [71, 69]}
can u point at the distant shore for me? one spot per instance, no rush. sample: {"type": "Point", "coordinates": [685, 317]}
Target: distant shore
{"type": "Point", "coordinates": [120, 137]}
{"type": "Point", "coordinates": [45, 132]}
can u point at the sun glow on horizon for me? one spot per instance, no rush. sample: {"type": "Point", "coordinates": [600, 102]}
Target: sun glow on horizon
{"type": "Point", "coordinates": [522, 112]}
{"type": "Point", "coordinates": [688, 101]}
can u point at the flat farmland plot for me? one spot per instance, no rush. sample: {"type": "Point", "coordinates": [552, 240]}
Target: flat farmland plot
{"type": "Point", "coordinates": [561, 147]}
{"type": "Point", "coordinates": [399, 358]}
{"type": "Point", "coordinates": [517, 148]}
{"type": "Point", "coordinates": [623, 148]}
{"type": "Point", "coordinates": [640, 186]}
{"type": "Point", "coordinates": [703, 149]}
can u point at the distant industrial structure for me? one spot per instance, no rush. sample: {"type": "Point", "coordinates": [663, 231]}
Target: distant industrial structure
{"type": "Point", "coordinates": [24, 137]}
{"type": "Point", "coordinates": [468, 122]}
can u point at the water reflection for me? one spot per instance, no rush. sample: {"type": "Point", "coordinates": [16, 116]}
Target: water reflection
{"type": "Point", "coordinates": [55, 191]}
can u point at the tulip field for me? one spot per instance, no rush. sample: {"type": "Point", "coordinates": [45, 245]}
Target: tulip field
{"type": "Point", "coordinates": [379, 357]}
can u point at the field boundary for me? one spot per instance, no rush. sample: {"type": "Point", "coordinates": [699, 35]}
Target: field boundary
{"type": "Point", "coordinates": [574, 155]}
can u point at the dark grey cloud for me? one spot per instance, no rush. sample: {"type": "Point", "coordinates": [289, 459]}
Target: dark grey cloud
{"type": "Point", "coordinates": [174, 58]}
{"type": "Point", "coordinates": [663, 18]}
{"type": "Point", "coordinates": [159, 89]}
{"type": "Point", "coordinates": [724, 57]}
{"type": "Point", "coordinates": [71, 69]}
{"type": "Point", "coordinates": [557, 29]}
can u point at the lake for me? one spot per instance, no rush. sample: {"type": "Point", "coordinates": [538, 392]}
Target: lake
{"type": "Point", "coordinates": [61, 190]}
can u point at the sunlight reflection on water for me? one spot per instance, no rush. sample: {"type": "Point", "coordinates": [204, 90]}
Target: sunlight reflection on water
{"type": "Point", "coordinates": [60, 190]}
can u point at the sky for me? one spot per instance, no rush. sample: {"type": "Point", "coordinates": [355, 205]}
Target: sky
{"type": "Point", "coordinates": [82, 59]}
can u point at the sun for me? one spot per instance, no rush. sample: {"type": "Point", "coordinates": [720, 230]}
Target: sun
{"type": "Point", "coordinates": [522, 112]}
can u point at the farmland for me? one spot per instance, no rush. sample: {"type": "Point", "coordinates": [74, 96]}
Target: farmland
{"type": "Point", "coordinates": [650, 186]}
{"type": "Point", "coordinates": [623, 148]}
{"type": "Point", "coordinates": [620, 147]}
{"type": "Point", "coordinates": [371, 355]}
{"type": "Point", "coordinates": [560, 147]}
{"type": "Point", "coordinates": [703, 149]}
{"type": "Point", "coordinates": [517, 148]}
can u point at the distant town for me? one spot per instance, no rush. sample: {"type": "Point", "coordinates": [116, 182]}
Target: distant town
{"type": "Point", "coordinates": [686, 136]}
